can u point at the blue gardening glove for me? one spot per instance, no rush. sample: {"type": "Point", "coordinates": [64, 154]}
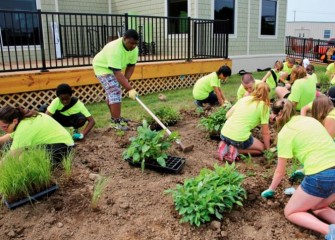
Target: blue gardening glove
{"type": "Point", "coordinates": [78, 136]}
{"type": "Point", "coordinates": [297, 175]}
{"type": "Point", "coordinates": [268, 193]}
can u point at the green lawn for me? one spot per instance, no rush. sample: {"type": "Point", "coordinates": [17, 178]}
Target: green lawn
{"type": "Point", "coordinates": [178, 99]}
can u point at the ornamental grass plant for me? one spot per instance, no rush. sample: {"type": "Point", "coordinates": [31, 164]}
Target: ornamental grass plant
{"type": "Point", "coordinates": [24, 174]}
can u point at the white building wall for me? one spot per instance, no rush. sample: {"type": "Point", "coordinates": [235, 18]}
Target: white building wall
{"type": "Point", "coordinates": [310, 29]}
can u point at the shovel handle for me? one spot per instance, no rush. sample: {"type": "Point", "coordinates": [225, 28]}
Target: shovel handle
{"type": "Point", "coordinates": [153, 116]}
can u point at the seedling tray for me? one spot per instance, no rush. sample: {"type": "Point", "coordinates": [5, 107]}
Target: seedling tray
{"type": "Point", "coordinates": [32, 198]}
{"type": "Point", "coordinates": [173, 165]}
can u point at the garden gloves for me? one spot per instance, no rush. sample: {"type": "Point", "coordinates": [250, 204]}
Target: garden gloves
{"type": "Point", "coordinates": [268, 193]}
{"type": "Point", "coordinates": [297, 175]}
{"type": "Point", "coordinates": [133, 94]}
{"type": "Point", "coordinates": [78, 136]}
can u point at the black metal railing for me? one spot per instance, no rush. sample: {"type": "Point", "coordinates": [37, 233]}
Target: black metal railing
{"type": "Point", "coordinates": [46, 40]}
{"type": "Point", "coordinates": [313, 49]}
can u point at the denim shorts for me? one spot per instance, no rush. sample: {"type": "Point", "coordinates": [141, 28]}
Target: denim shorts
{"type": "Point", "coordinates": [321, 184]}
{"type": "Point", "coordinates": [112, 88]}
{"type": "Point", "coordinates": [239, 145]}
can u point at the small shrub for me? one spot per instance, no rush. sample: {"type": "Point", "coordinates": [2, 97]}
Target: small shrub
{"type": "Point", "coordinates": [25, 174]}
{"type": "Point", "coordinates": [149, 145]}
{"type": "Point", "coordinates": [166, 114]}
{"type": "Point", "coordinates": [209, 194]}
{"type": "Point", "coordinates": [98, 190]}
{"type": "Point", "coordinates": [215, 121]}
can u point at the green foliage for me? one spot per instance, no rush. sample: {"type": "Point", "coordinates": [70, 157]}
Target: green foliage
{"type": "Point", "coordinates": [324, 79]}
{"type": "Point", "coordinates": [25, 173]}
{"type": "Point", "coordinates": [293, 165]}
{"type": "Point", "coordinates": [270, 156]}
{"type": "Point", "coordinates": [247, 159]}
{"type": "Point", "coordinates": [149, 144]}
{"type": "Point", "coordinates": [215, 121]}
{"type": "Point", "coordinates": [99, 188]}
{"type": "Point", "coordinates": [210, 193]}
{"type": "Point", "coordinates": [166, 114]}
{"type": "Point", "coordinates": [67, 164]}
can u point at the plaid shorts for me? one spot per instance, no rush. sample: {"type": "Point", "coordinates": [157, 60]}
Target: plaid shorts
{"type": "Point", "coordinates": [112, 88]}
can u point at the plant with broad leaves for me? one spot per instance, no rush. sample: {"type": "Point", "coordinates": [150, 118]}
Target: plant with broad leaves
{"type": "Point", "coordinates": [211, 193]}
{"type": "Point", "coordinates": [215, 121]}
{"type": "Point", "coordinates": [149, 145]}
{"type": "Point", "coordinates": [270, 156]}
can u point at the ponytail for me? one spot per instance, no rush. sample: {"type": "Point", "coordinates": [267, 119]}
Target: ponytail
{"type": "Point", "coordinates": [285, 110]}
{"type": "Point", "coordinates": [9, 113]}
{"type": "Point", "coordinates": [321, 107]}
{"type": "Point", "coordinates": [262, 94]}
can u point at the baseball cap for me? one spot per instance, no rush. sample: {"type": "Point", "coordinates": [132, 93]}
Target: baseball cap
{"type": "Point", "coordinates": [331, 94]}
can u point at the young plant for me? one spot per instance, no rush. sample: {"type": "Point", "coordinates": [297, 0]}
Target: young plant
{"type": "Point", "coordinates": [149, 145]}
{"type": "Point", "coordinates": [98, 190]}
{"type": "Point", "coordinates": [209, 194]}
{"type": "Point", "coordinates": [324, 82]}
{"type": "Point", "coordinates": [25, 173]}
{"type": "Point", "coordinates": [166, 114]}
{"type": "Point", "coordinates": [246, 158]}
{"type": "Point", "coordinates": [67, 164]}
{"type": "Point", "coordinates": [294, 165]}
{"type": "Point", "coordinates": [215, 121]}
{"type": "Point", "coordinates": [269, 156]}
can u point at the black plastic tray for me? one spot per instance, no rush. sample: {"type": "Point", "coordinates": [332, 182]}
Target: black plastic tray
{"type": "Point", "coordinates": [173, 165]}
{"type": "Point", "coordinates": [32, 198]}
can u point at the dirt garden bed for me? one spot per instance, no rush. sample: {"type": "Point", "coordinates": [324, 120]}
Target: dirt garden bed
{"type": "Point", "coordinates": [134, 205]}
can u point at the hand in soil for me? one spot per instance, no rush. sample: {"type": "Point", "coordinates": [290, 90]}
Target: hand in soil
{"type": "Point", "coordinates": [268, 193]}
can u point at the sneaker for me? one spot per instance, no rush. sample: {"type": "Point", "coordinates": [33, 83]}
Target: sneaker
{"type": "Point", "coordinates": [197, 104]}
{"type": "Point", "coordinates": [126, 120]}
{"type": "Point", "coordinates": [331, 234]}
{"type": "Point", "coordinates": [231, 155]}
{"type": "Point", "coordinates": [222, 150]}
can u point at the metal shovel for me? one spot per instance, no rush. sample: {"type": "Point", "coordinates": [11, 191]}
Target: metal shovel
{"type": "Point", "coordinates": [183, 148]}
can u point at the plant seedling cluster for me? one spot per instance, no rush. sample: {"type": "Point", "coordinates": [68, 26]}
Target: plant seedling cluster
{"type": "Point", "coordinates": [215, 121]}
{"type": "Point", "coordinates": [210, 193]}
{"type": "Point", "coordinates": [167, 115]}
{"type": "Point", "coordinates": [99, 187]}
{"type": "Point", "coordinates": [149, 145]}
{"type": "Point", "coordinates": [24, 175]}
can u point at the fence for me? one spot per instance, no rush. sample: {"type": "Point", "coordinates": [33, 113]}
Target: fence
{"type": "Point", "coordinates": [313, 49]}
{"type": "Point", "coordinates": [46, 40]}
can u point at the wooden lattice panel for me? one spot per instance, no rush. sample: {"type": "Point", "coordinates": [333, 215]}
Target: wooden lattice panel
{"type": "Point", "coordinates": [95, 93]}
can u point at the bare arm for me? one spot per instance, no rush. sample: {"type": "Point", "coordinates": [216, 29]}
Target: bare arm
{"type": "Point", "coordinates": [89, 125]}
{"type": "Point", "coordinates": [49, 113]}
{"type": "Point", "coordinates": [329, 124]}
{"type": "Point", "coordinates": [305, 110]}
{"type": "Point", "coordinates": [279, 173]}
{"type": "Point", "coordinates": [5, 138]}
{"type": "Point", "coordinates": [122, 80]}
{"type": "Point", "coordinates": [219, 94]}
{"type": "Point", "coordinates": [129, 71]}
{"type": "Point", "coordinates": [230, 112]}
{"type": "Point", "coordinates": [266, 76]}
{"type": "Point", "coordinates": [266, 136]}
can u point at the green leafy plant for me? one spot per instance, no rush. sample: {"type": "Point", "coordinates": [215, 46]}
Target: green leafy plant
{"type": "Point", "coordinates": [98, 190]}
{"type": "Point", "coordinates": [246, 158]}
{"type": "Point", "coordinates": [149, 145]}
{"type": "Point", "coordinates": [26, 173]}
{"type": "Point", "coordinates": [215, 121]}
{"type": "Point", "coordinates": [324, 82]}
{"type": "Point", "coordinates": [293, 165]}
{"type": "Point", "coordinates": [209, 194]}
{"type": "Point", "coordinates": [166, 114]}
{"type": "Point", "coordinates": [269, 156]}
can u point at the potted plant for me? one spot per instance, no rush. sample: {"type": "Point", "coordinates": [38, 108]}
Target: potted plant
{"type": "Point", "coordinates": [26, 177]}
{"type": "Point", "coordinates": [214, 122]}
{"type": "Point", "coordinates": [166, 114]}
{"type": "Point", "coordinates": [148, 149]}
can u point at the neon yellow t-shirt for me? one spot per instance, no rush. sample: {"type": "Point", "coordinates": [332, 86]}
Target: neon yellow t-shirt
{"type": "Point", "coordinates": [287, 69]}
{"type": "Point", "coordinates": [113, 55]}
{"type": "Point", "coordinates": [39, 130]}
{"type": "Point", "coordinates": [331, 68]}
{"type": "Point", "coordinates": [205, 85]}
{"type": "Point", "coordinates": [313, 77]}
{"type": "Point", "coordinates": [79, 107]}
{"type": "Point", "coordinates": [307, 140]}
{"type": "Point", "coordinates": [272, 83]}
{"type": "Point", "coordinates": [331, 114]}
{"type": "Point", "coordinates": [246, 116]}
{"type": "Point", "coordinates": [303, 92]}
{"type": "Point", "coordinates": [241, 91]}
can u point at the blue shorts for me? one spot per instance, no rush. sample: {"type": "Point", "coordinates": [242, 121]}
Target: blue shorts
{"type": "Point", "coordinates": [112, 88]}
{"type": "Point", "coordinates": [321, 184]}
{"type": "Point", "coordinates": [239, 145]}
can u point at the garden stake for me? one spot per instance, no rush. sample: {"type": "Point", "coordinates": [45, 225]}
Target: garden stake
{"type": "Point", "coordinates": [183, 148]}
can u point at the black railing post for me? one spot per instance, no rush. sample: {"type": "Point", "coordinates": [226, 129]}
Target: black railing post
{"type": "Point", "coordinates": [195, 36]}
{"type": "Point", "coordinates": [126, 24]}
{"type": "Point", "coordinates": [304, 47]}
{"type": "Point", "coordinates": [40, 35]}
{"type": "Point", "coordinates": [227, 38]}
{"type": "Point", "coordinates": [189, 39]}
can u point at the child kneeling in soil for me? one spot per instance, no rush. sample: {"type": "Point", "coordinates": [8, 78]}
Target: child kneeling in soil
{"type": "Point", "coordinates": [28, 128]}
{"type": "Point", "coordinates": [244, 116]}
{"type": "Point", "coordinates": [70, 111]}
{"type": "Point", "coordinates": [248, 85]}
{"type": "Point", "coordinates": [207, 89]}
{"type": "Point", "coordinates": [305, 139]}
